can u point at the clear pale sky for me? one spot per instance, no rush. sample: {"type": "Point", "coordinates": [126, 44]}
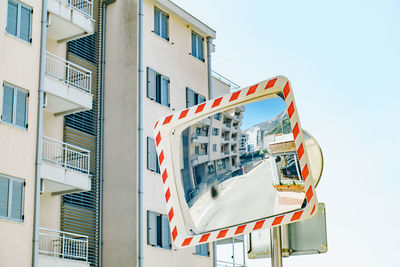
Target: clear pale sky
{"type": "Point", "coordinates": [342, 58]}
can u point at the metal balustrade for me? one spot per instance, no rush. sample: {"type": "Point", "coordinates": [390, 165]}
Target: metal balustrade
{"type": "Point", "coordinates": [68, 72]}
{"type": "Point", "coordinates": [221, 263]}
{"type": "Point", "coordinates": [62, 244]}
{"type": "Point", "coordinates": [66, 155]}
{"type": "Point", "coordinates": [83, 6]}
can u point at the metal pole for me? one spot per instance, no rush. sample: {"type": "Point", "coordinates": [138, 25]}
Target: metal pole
{"type": "Point", "coordinates": [276, 247]}
{"type": "Point", "coordinates": [39, 133]}
{"type": "Point", "coordinates": [140, 138]}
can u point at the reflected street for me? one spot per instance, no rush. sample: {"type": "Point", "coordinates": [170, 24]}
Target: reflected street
{"type": "Point", "coordinates": [228, 208]}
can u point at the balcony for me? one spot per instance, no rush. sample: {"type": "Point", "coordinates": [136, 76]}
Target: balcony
{"type": "Point", "coordinates": [69, 19]}
{"type": "Point", "coordinates": [200, 139]}
{"type": "Point", "coordinates": [206, 121]}
{"type": "Point", "coordinates": [67, 86]}
{"type": "Point", "coordinates": [58, 248]}
{"type": "Point", "coordinates": [199, 159]}
{"type": "Point", "coordinates": [65, 168]}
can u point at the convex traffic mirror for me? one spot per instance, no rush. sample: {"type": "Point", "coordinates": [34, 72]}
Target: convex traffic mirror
{"type": "Point", "coordinates": [235, 164]}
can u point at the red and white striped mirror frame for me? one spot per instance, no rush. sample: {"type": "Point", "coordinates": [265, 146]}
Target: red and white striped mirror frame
{"type": "Point", "coordinates": [165, 126]}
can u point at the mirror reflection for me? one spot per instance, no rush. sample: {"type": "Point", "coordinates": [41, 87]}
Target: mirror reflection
{"type": "Point", "coordinates": [240, 165]}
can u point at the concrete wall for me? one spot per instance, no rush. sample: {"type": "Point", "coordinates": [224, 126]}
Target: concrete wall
{"type": "Point", "coordinates": [18, 146]}
{"type": "Point", "coordinates": [120, 136]}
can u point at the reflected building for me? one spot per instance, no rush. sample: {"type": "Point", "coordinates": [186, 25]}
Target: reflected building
{"type": "Point", "coordinates": [254, 139]}
{"type": "Point", "coordinates": [210, 150]}
{"type": "Point", "coordinates": [243, 147]}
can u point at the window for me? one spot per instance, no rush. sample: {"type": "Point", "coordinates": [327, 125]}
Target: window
{"type": "Point", "coordinates": [158, 233]}
{"type": "Point", "coordinates": [203, 250]}
{"type": "Point", "coordinates": [215, 131]}
{"type": "Point", "coordinates": [157, 87]}
{"type": "Point", "coordinates": [217, 116]}
{"type": "Point", "coordinates": [15, 102]}
{"type": "Point", "coordinates": [196, 150]}
{"type": "Point", "coordinates": [11, 198]}
{"type": "Point", "coordinates": [19, 20]}
{"type": "Point", "coordinates": [192, 98]}
{"type": "Point", "coordinates": [197, 46]}
{"type": "Point", "coordinates": [214, 147]}
{"type": "Point", "coordinates": [161, 23]}
{"type": "Point", "coordinates": [152, 161]}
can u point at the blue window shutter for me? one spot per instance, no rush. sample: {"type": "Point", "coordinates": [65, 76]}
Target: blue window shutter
{"type": "Point", "coordinates": [17, 200]}
{"type": "Point", "coordinates": [189, 98]}
{"type": "Point", "coordinates": [200, 48]}
{"type": "Point", "coordinates": [151, 155]}
{"type": "Point", "coordinates": [201, 99]}
{"type": "Point", "coordinates": [4, 184]}
{"type": "Point", "coordinates": [194, 52]}
{"type": "Point", "coordinates": [12, 18]}
{"type": "Point", "coordinates": [157, 21]}
{"type": "Point", "coordinates": [8, 104]}
{"type": "Point", "coordinates": [25, 25]}
{"type": "Point", "coordinates": [20, 118]}
{"type": "Point", "coordinates": [151, 83]}
{"type": "Point", "coordinates": [165, 233]}
{"type": "Point", "coordinates": [164, 83]}
{"type": "Point", "coordinates": [164, 26]}
{"type": "Point", "coordinates": [151, 228]}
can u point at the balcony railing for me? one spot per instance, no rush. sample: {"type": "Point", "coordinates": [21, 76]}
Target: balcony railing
{"type": "Point", "coordinates": [228, 264]}
{"type": "Point", "coordinates": [66, 155]}
{"type": "Point", "coordinates": [68, 72]}
{"type": "Point", "coordinates": [63, 244]}
{"type": "Point", "coordinates": [83, 6]}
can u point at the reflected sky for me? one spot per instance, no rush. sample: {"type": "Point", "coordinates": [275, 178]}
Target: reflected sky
{"type": "Point", "coordinates": [262, 111]}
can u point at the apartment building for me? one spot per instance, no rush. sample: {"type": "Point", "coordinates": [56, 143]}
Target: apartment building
{"type": "Point", "coordinates": [64, 168]}
{"type": "Point", "coordinates": [175, 76]}
{"type": "Point", "coordinates": [210, 151]}
{"type": "Point", "coordinates": [90, 128]}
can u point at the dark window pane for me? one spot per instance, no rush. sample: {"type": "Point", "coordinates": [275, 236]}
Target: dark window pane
{"type": "Point", "coordinates": [200, 48]}
{"type": "Point", "coordinates": [12, 16]}
{"type": "Point", "coordinates": [16, 201]}
{"type": "Point", "coordinates": [25, 26]}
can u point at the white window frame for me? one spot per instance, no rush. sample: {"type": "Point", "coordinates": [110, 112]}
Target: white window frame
{"type": "Point", "coordinates": [14, 110]}
{"type": "Point", "coordinates": [19, 4]}
{"type": "Point", "coordinates": [11, 181]}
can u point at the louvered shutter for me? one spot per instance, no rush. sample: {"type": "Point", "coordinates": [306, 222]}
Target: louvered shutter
{"type": "Point", "coordinates": [165, 232]}
{"type": "Point", "coordinates": [25, 24]}
{"type": "Point", "coordinates": [20, 118]}
{"type": "Point", "coordinates": [194, 52]}
{"type": "Point", "coordinates": [201, 99]}
{"type": "Point", "coordinates": [8, 104]}
{"type": "Point", "coordinates": [4, 183]}
{"type": "Point", "coordinates": [157, 21]}
{"type": "Point", "coordinates": [164, 83]}
{"type": "Point", "coordinates": [151, 83]}
{"type": "Point", "coordinates": [164, 26]}
{"type": "Point", "coordinates": [151, 154]}
{"type": "Point", "coordinates": [151, 228]}
{"type": "Point", "coordinates": [200, 47]}
{"type": "Point", "coordinates": [189, 98]}
{"type": "Point", "coordinates": [17, 200]}
{"type": "Point", "coordinates": [12, 17]}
